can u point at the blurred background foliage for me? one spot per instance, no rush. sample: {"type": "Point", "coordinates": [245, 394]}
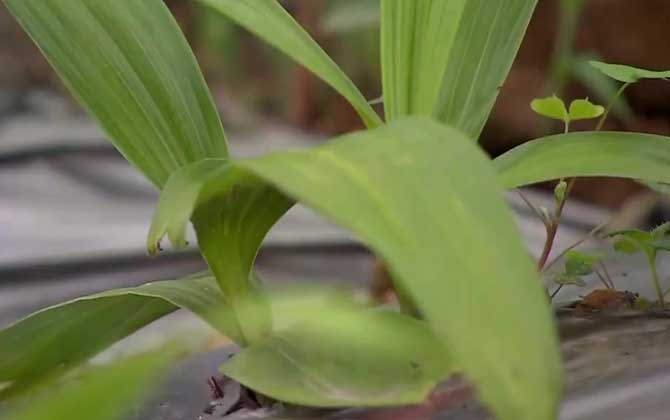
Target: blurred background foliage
{"type": "Point", "coordinates": [253, 84]}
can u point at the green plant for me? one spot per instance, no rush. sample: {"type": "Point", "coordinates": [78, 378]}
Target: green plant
{"type": "Point", "coordinates": [650, 243]}
{"type": "Point", "coordinates": [567, 64]}
{"type": "Point", "coordinates": [414, 187]}
{"type": "Point", "coordinates": [554, 107]}
{"type": "Point", "coordinates": [579, 264]}
{"type": "Point", "coordinates": [627, 75]}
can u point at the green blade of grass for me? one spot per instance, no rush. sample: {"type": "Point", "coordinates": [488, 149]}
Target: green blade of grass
{"type": "Point", "coordinates": [416, 39]}
{"type": "Point", "coordinates": [609, 154]}
{"type": "Point", "coordinates": [272, 23]}
{"type": "Point", "coordinates": [128, 63]}
{"type": "Point", "coordinates": [455, 253]}
{"type": "Point", "coordinates": [58, 338]}
{"type": "Point", "coordinates": [488, 38]}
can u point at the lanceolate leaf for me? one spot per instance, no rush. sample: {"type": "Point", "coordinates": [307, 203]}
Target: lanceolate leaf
{"type": "Point", "coordinates": [628, 74]}
{"type": "Point", "coordinates": [486, 44]}
{"type": "Point", "coordinates": [426, 200]}
{"type": "Point", "coordinates": [583, 154]}
{"type": "Point", "coordinates": [270, 21]}
{"type": "Point", "coordinates": [127, 62]}
{"type": "Point", "coordinates": [343, 358]}
{"type": "Point", "coordinates": [602, 87]}
{"type": "Point", "coordinates": [416, 39]}
{"type": "Point", "coordinates": [58, 338]}
{"type": "Point", "coordinates": [102, 394]}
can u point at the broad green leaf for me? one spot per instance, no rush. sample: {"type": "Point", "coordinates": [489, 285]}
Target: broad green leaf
{"type": "Point", "coordinates": [585, 154]}
{"type": "Point", "coordinates": [416, 39]}
{"type": "Point", "coordinates": [583, 109]}
{"type": "Point", "coordinates": [551, 107]}
{"type": "Point", "coordinates": [345, 359]}
{"type": "Point", "coordinates": [628, 74]}
{"type": "Point", "coordinates": [452, 252]}
{"type": "Point", "coordinates": [272, 23]}
{"type": "Point", "coordinates": [105, 393]}
{"type": "Point", "coordinates": [127, 62]}
{"type": "Point", "coordinates": [61, 337]}
{"type": "Point", "coordinates": [488, 38]}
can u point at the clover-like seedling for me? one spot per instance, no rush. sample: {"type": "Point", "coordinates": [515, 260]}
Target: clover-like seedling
{"type": "Point", "coordinates": [554, 107]}
{"type": "Point", "coordinates": [628, 74]}
{"type": "Point", "coordinates": [580, 264]}
{"type": "Point", "coordinates": [577, 265]}
{"type": "Point", "coordinates": [650, 243]}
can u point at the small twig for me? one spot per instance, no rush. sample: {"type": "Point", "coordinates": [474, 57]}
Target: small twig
{"type": "Point", "coordinates": [558, 289]}
{"type": "Point", "coordinates": [531, 206]}
{"type": "Point", "coordinates": [575, 245]}
{"type": "Point", "coordinates": [602, 279]}
{"type": "Point", "coordinates": [552, 229]}
{"type": "Point", "coordinates": [607, 274]}
{"type": "Point", "coordinates": [611, 104]}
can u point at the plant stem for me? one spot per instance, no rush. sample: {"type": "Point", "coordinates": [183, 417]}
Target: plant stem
{"type": "Point", "coordinates": [552, 229]}
{"type": "Point", "coordinates": [651, 256]}
{"type": "Point", "coordinates": [530, 205]}
{"type": "Point", "coordinates": [607, 274]}
{"type": "Point", "coordinates": [573, 246]}
{"type": "Point", "coordinates": [602, 279]}
{"type": "Point", "coordinates": [558, 289]}
{"type": "Point", "coordinates": [611, 104]}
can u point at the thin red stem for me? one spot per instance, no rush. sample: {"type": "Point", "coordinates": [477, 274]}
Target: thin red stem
{"type": "Point", "coordinates": [552, 229]}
